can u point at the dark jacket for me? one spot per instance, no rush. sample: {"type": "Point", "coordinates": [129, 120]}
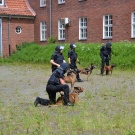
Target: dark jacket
{"type": "Point", "coordinates": [58, 58]}
{"type": "Point", "coordinates": [105, 52]}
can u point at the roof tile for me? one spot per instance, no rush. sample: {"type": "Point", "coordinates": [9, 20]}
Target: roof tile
{"type": "Point", "coordinates": [17, 7]}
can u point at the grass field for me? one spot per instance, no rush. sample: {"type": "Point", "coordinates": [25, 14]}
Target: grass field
{"type": "Point", "coordinates": [107, 107]}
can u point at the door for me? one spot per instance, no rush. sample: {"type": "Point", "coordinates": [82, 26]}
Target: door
{"type": "Point", "coordinates": [0, 37]}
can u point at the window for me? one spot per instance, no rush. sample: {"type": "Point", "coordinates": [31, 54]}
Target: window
{"type": "Point", "coordinates": [42, 3]}
{"type": "Point", "coordinates": [18, 30]}
{"type": "Point", "coordinates": [107, 26]}
{"type": "Point", "coordinates": [1, 2]}
{"type": "Point", "coordinates": [43, 31]}
{"type": "Point", "coordinates": [61, 1]}
{"type": "Point", "coordinates": [61, 30]}
{"type": "Point", "coordinates": [82, 28]}
{"type": "Point", "coordinates": [133, 25]}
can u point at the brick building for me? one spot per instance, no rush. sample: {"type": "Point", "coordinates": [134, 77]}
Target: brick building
{"type": "Point", "coordinates": [79, 20]}
{"type": "Point", "coordinates": [16, 25]}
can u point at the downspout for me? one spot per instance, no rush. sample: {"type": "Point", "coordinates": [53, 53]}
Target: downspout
{"type": "Point", "coordinates": [9, 47]}
{"type": "Point", "coordinates": [50, 18]}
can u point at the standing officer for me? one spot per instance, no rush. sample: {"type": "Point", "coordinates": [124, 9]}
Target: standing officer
{"type": "Point", "coordinates": [57, 57]}
{"type": "Point", "coordinates": [56, 84]}
{"type": "Point", "coordinates": [72, 58]}
{"type": "Point", "coordinates": [105, 54]}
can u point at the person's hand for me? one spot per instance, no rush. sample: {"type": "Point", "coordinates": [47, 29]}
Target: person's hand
{"type": "Point", "coordinates": [62, 93]}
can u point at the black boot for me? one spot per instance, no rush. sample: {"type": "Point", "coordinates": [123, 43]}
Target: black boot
{"type": "Point", "coordinates": [41, 101]}
{"type": "Point", "coordinates": [79, 80]}
{"type": "Point", "coordinates": [36, 102]}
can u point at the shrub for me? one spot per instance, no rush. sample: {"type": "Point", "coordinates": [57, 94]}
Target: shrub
{"type": "Point", "coordinates": [52, 40]}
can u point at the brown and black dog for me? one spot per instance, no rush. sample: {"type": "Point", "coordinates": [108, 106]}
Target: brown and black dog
{"type": "Point", "coordinates": [87, 71]}
{"type": "Point", "coordinates": [109, 69]}
{"type": "Point", "coordinates": [70, 78]}
{"type": "Point", "coordinates": [73, 96]}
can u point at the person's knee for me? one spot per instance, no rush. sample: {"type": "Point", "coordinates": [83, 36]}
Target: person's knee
{"type": "Point", "coordinates": [66, 88]}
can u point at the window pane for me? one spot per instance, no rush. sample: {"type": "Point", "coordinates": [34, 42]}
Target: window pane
{"type": "Point", "coordinates": [43, 31]}
{"type": "Point", "coordinates": [83, 28]}
{"type": "Point", "coordinates": [133, 30]}
{"type": "Point", "coordinates": [106, 22]}
{"type": "Point", "coordinates": [0, 1]}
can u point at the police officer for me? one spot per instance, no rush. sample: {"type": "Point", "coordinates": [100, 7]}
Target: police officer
{"type": "Point", "coordinates": [56, 84]}
{"type": "Point", "coordinates": [72, 59]}
{"type": "Point", "coordinates": [57, 57]}
{"type": "Point", "coordinates": [105, 54]}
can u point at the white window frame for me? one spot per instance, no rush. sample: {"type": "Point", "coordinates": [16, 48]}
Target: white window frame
{"type": "Point", "coordinates": [2, 3]}
{"type": "Point", "coordinates": [107, 27]}
{"type": "Point", "coordinates": [133, 25]}
{"type": "Point", "coordinates": [61, 30]}
{"type": "Point", "coordinates": [43, 31]}
{"type": "Point", "coordinates": [61, 1]}
{"type": "Point", "coordinates": [83, 28]}
{"type": "Point", "coordinates": [18, 30]}
{"type": "Point", "coordinates": [42, 3]}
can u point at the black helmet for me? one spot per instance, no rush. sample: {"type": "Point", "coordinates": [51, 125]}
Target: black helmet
{"type": "Point", "coordinates": [108, 44]}
{"type": "Point", "coordinates": [72, 46]}
{"type": "Point", "coordinates": [59, 48]}
{"type": "Point", "coordinates": [64, 67]}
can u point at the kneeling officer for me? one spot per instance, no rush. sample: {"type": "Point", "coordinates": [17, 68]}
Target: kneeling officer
{"type": "Point", "coordinates": [56, 84]}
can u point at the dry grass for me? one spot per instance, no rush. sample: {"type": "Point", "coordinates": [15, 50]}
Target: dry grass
{"type": "Point", "coordinates": [108, 107]}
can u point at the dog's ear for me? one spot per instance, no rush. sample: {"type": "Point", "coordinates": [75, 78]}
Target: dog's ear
{"type": "Point", "coordinates": [76, 88]}
{"type": "Point", "coordinates": [112, 65]}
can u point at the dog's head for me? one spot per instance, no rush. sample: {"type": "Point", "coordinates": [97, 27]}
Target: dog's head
{"type": "Point", "coordinates": [78, 89]}
{"type": "Point", "coordinates": [71, 73]}
{"type": "Point", "coordinates": [92, 66]}
{"type": "Point", "coordinates": [112, 66]}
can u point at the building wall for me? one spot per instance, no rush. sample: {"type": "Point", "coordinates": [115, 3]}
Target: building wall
{"type": "Point", "coordinates": [93, 11]}
{"type": "Point", "coordinates": [42, 14]}
{"type": "Point", "coordinates": [12, 38]}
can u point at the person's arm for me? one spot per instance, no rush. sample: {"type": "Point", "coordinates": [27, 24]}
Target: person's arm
{"type": "Point", "coordinates": [62, 82]}
{"type": "Point", "coordinates": [78, 61]}
{"type": "Point", "coordinates": [69, 61]}
{"type": "Point", "coordinates": [53, 63]}
{"type": "Point", "coordinates": [69, 57]}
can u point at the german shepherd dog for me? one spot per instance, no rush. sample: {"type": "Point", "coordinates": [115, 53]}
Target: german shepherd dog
{"type": "Point", "coordinates": [87, 71]}
{"type": "Point", "coordinates": [73, 96]}
{"type": "Point", "coordinates": [109, 69]}
{"type": "Point", "coordinates": [70, 78]}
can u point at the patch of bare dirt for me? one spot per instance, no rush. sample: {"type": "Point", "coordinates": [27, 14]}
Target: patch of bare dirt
{"type": "Point", "coordinates": [23, 83]}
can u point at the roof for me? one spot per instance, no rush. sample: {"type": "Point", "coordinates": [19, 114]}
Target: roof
{"type": "Point", "coordinates": [17, 8]}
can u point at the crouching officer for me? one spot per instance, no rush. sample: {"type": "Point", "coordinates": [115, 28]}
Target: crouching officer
{"type": "Point", "coordinates": [105, 54]}
{"type": "Point", "coordinates": [72, 59]}
{"type": "Point", "coordinates": [56, 84]}
{"type": "Point", "coordinates": [57, 57]}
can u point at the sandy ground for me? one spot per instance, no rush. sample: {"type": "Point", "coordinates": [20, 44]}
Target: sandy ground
{"type": "Point", "coordinates": [23, 83]}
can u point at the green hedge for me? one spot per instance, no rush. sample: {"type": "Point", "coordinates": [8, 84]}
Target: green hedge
{"type": "Point", "coordinates": [123, 54]}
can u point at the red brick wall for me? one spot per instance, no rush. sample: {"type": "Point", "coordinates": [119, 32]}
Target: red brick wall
{"type": "Point", "coordinates": [91, 9]}
{"type": "Point", "coordinates": [27, 34]}
{"type": "Point", "coordinates": [42, 14]}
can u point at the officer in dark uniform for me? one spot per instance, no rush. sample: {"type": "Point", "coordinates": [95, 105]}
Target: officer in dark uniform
{"type": "Point", "coordinates": [57, 57]}
{"type": "Point", "coordinates": [72, 59]}
{"type": "Point", "coordinates": [105, 54]}
{"type": "Point", "coordinates": [56, 84]}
